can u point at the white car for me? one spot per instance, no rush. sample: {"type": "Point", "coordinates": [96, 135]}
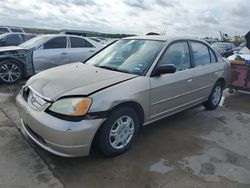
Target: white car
{"type": "Point", "coordinates": [7, 29]}
{"type": "Point", "coordinates": [43, 52]}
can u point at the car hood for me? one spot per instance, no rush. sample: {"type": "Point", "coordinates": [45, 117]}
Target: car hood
{"type": "Point", "coordinates": [11, 48]}
{"type": "Point", "coordinates": [74, 79]}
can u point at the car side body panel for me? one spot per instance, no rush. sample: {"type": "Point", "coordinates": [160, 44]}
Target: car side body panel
{"type": "Point", "coordinates": [135, 90]}
{"type": "Point", "coordinates": [167, 94]}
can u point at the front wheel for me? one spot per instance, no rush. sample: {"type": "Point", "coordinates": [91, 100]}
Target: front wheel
{"type": "Point", "coordinates": [118, 132]}
{"type": "Point", "coordinates": [10, 71]}
{"type": "Point", "coordinates": [215, 97]}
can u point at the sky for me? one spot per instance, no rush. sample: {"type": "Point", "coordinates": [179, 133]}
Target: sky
{"type": "Point", "coordinates": [173, 17]}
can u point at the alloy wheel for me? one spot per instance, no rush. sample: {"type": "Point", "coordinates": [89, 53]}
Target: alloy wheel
{"type": "Point", "coordinates": [121, 132]}
{"type": "Point", "coordinates": [10, 72]}
{"type": "Point", "coordinates": [216, 96]}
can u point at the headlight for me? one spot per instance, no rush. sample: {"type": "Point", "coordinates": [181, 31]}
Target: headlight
{"type": "Point", "coordinates": [75, 106]}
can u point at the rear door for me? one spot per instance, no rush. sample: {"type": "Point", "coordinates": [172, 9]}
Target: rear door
{"type": "Point", "coordinates": [51, 54]}
{"type": "Point", "coordinates": [172, 92]}
{"type": "Point", "coordinates": [205, 72]}
{"type": "Point", "coordinates": [80, 49]}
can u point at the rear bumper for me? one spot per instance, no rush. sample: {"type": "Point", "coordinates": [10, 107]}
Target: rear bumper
{"type": "Point", "coordinates": [60, 137]}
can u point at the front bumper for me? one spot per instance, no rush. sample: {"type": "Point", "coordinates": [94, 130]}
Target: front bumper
{"type": "Point", "coordinates": [63, 138]}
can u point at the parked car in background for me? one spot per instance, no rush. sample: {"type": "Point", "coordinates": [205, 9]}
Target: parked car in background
{"type": "Point", "coordinates": [14, 39]}
{"type": "Point", "coordinates": [224, 48]}
{"type": "Point", "coordinates": [7, 29]}
{"type": "Point", "coordinates": [43, 52]}
{"type": "Point", "coordinates": [130, 83]}
{"type": "Point", "coordinates": [75, 32]}
{"type": "Point", "coordinates": [103, 41]}
{"type": "Point", "coordinates": [241, 46]}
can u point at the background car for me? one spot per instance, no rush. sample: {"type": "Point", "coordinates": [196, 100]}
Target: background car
{"type": "Point", "coordinates": [224, 48]}
{"type": "Point", "coordinates": [43, 52]}
{"type": "Point", "coordinates": [14, 39]}
{"type": "Point", "coordinates": [241, 46]}
{"type": "Point", "coordinates": [7, 29]}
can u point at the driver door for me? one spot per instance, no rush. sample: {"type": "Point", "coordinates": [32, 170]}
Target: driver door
{"type": "Point", "coordinates": [172, 92]}
{"type": "Point", "coordinates": [51, 54]}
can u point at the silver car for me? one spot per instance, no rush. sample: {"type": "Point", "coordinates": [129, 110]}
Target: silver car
{"type": "Point", "coordinates": [130, 83]}
{"type": "Point", "coordinates": [43, 52]}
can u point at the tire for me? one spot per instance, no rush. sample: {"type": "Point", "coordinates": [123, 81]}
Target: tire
{"type": "Point", "coordinates": [215, 97]}
{"type": "Point", "coordinates": [11, 71]}
{"type": "Point", "coordinates": [114, 137]}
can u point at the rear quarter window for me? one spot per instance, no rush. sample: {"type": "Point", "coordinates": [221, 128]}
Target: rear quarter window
{"type": "Point", "coordinates": [213, 56]}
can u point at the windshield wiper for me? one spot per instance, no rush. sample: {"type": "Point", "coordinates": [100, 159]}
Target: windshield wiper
{"type": "Point", "coordinates": [108, 68]}
{"type": "Point", "coordinates": [113, 69]}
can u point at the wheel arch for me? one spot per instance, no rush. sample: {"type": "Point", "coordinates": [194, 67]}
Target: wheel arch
{"type": "Point", "coordinates": [222, 81]}
{"type": "Point", "coordinates": [17, 61]}
{"type": "Point", "coordinates": [132, 104]}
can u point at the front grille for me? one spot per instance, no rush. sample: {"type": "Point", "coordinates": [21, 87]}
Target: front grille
{"type": "Point", "coordinates": [34, 101]}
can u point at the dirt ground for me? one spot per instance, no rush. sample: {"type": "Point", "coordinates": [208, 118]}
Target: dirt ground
{"type": "Point", "coordinates": [194, 148]}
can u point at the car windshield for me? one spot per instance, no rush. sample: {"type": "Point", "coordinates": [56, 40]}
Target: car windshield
{"type": "Point", "coordinates": [126, 55]}
{"type": "Point", "coordinates": [34, 42]}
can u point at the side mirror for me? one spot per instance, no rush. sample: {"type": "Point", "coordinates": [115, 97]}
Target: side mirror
{"type": "Point", "coordinates": [164, 69]}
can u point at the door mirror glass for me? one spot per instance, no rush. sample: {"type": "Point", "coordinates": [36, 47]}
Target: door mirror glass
{"type": "Point", "coordinates": [164, 69]}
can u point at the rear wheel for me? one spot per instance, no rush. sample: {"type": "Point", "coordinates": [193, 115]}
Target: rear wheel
{"type": "Point", "coordinates": [10, 71]}
{"type": "Point", "coordinates": [118, 132]}
{"type": "Point", "coordinates": [215, 97]}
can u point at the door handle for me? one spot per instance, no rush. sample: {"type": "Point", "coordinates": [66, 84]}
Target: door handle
{"type": "Point", "coordinates": [190, 80]}
{"type": "Point", "coordinates": [64, 53]}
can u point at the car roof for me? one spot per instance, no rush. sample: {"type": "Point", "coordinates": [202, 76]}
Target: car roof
{"type": "Point", "coordinates": [59, 35]}
{"type": "Point", "coordinates": [18, 33]}
{"type": "Point", "coordinates": [162, 38]}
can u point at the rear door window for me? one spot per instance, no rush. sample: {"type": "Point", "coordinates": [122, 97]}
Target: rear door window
{"type": "Point", "coordinates": [177, 54]}
{"type": "Point", "coordinates": [200, 53]}
{"type": "Point", "coordinates": [213, 57]}
{"type": "Point", "coordinates": [58, 42]}
{"type": "Point", "coordinates": [80, 43]}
